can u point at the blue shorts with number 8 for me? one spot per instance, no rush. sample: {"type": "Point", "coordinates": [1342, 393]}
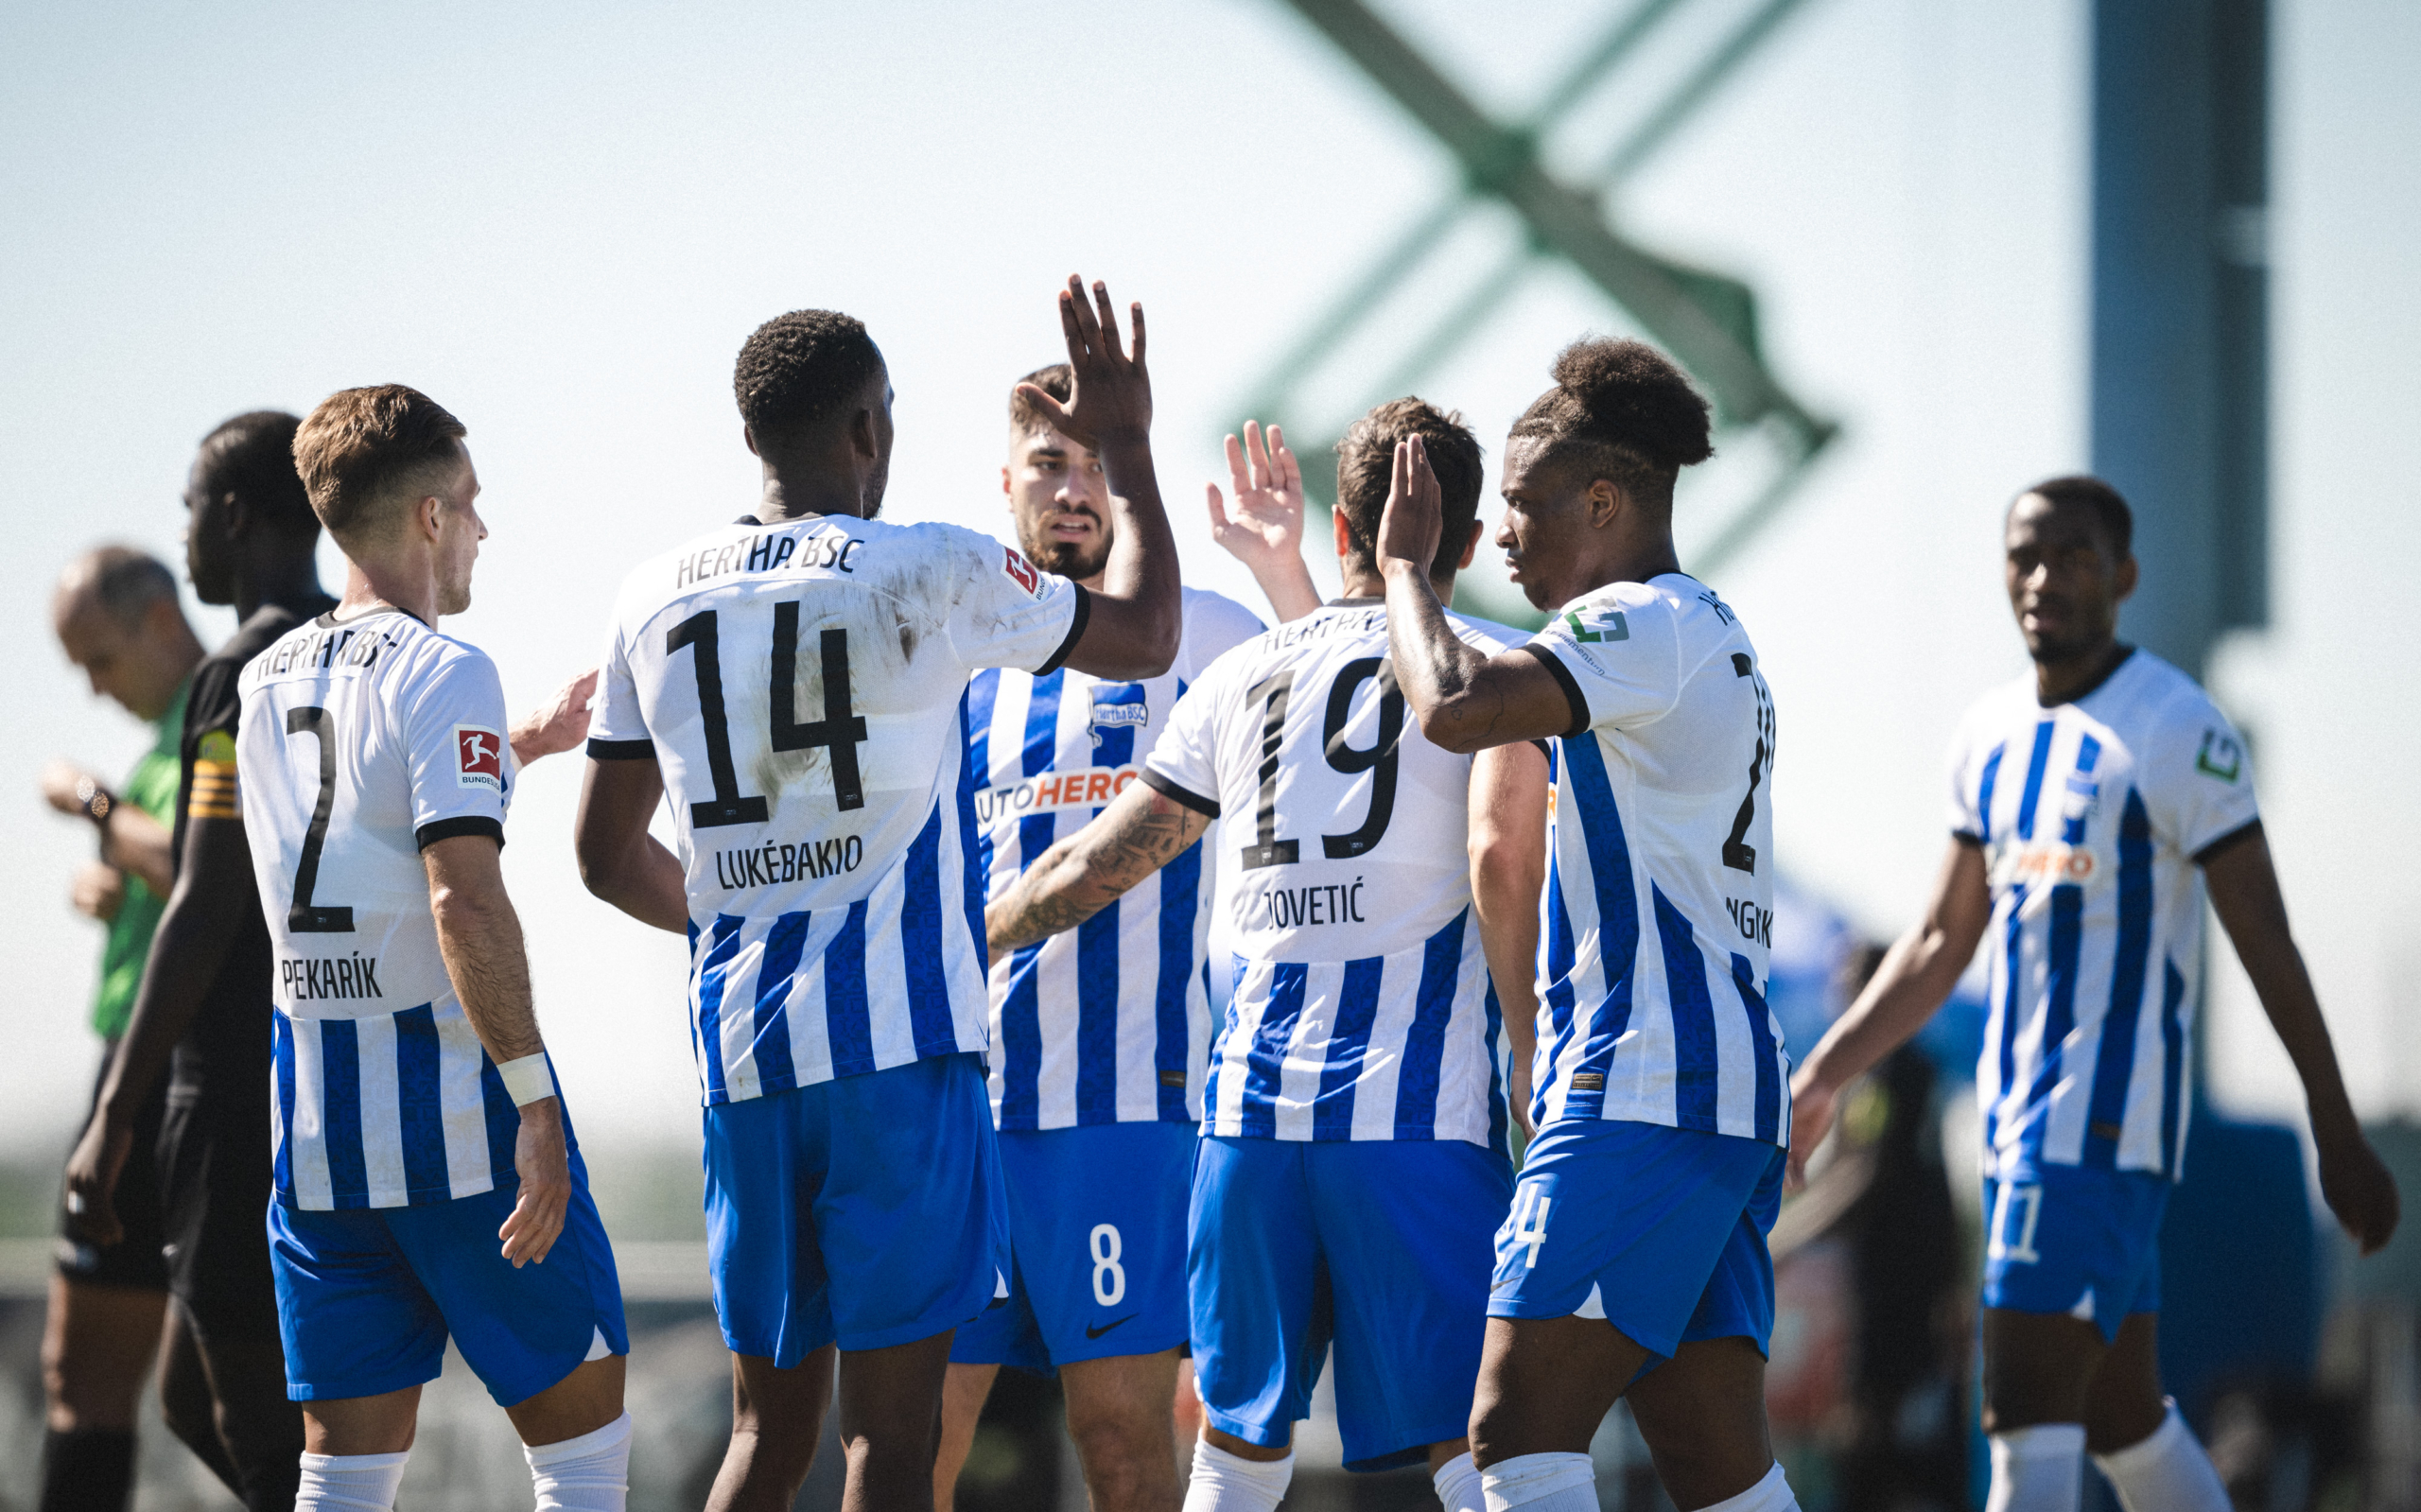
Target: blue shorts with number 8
{"type": "Point", "coordinates": [1096, 1245]}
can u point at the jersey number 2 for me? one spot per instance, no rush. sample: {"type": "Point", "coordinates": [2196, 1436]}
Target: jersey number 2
{"type": "Point", "coordinates": [1379, 759]}
{"type": "Point", "coordinates": [306, 918]}
{"type": "Point", "coordinates": [839, 731]}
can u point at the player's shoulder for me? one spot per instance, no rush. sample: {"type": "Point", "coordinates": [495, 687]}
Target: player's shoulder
{"type": "Point", "coordinates": [1991, 715]}
{"type": "Point", "coordinates": [1213, 624]}
{"type": "Point", "coordinates": [2147, 690]}
{"type": "Point", "coordinates": [1486, 635]}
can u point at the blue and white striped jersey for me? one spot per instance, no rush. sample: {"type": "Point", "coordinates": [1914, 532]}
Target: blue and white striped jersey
{"type": "Point", "coordinates": [1658, 914]}
{"type": "Point", "coordinates": [2092, 816]}
{"type": "Point", "coordinates": [1108, 1022]}
{"type": "Point", "coordinates": [1361, 1007]}
{"type": "Point", "coordinates": [803, 687]}
{"type": "Point", "coordinates": [362, 741]}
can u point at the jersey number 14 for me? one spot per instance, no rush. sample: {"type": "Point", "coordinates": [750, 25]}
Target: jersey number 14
{"type": "Point", "coordinates": [839, 731]}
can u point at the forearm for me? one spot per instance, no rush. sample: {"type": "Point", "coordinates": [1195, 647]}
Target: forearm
{"type": "Point", "coordinates": [138, 844]}
{"type": "Point", "coordinates": [1443, 679]}
{"type": "Point", "coordinates": [644, 881]}
{"type": "Point", "coordinates": [1139, 589]}
{"type": "Point", "coordinates": [1285, 580]}
{"type": "Point", "coordinates": [1508, 934]}
{"type": "Point", "coordinates": [481, 940]}
{"type": "Point", "coordinates": [1917, 975]}
{"type": "Point", "coordinates": [1139, 833]}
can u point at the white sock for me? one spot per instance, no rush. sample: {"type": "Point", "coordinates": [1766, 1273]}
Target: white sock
{"type": "Point", "coordinates": [1457, 1483]}
{"type": "Point", "coordinates": [1773, 1494]}
{"type": "Point", "coordinates": [2167, 1472]}
{"type": "Point", "coordinates": [2038, 1469]}
{"type": "Point", "coordinates": [1544, 1482]}
{"type": "Point", "coordinates": [1230, 1482]}
{"type": "Point", "coordinates": [590, 1473]}
{"type": "Point", "coordinates": [350, 1483]}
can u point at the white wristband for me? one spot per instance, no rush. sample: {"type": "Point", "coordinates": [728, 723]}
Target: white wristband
{"type": "Point", "coordinates": [526, 1080]}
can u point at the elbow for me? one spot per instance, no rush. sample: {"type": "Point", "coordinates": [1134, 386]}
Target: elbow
{"type": "Point", "coordinates": [1445, 728]}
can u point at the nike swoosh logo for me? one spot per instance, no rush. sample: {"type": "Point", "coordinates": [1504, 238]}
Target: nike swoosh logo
{"type": "Point", "coordinates": [1091, 1332]}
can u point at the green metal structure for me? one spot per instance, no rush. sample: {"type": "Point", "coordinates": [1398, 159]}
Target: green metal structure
{"type": "Point", "coordinates": [1706, 321]}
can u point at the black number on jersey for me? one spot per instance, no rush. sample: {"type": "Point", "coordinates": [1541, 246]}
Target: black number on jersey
{"type": "Point", "coordinates": [726, 807]}
{"type": "Point", "coordinates": [1380, 758]}
{"type": "Point", "coordinates": [840, 731]}
{"type": "Point", "coordinates": [1268, 850]}
{"type": "Point", "coordinates": [305, 918]}
{"type": "Point", "coordinates": [1738, 853]}
{"type": "Point", "coordinates": [1381, 755]}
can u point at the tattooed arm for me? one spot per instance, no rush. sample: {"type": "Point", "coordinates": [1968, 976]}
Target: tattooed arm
{"type": "Point", "coordinates": [1141, 831]}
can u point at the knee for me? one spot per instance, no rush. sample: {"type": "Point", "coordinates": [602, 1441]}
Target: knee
{"type": "Point", "coordinates": [1123, 1442]}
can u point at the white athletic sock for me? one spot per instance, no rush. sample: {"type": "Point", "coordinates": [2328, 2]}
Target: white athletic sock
{"type": "Point", "coordinates": [1773, 1494]}
{"type": "Point", "coordinates": [590, 1473]}
{"type": "Point", "coordinates": [350, 1483]}
{"type": "Point", "coordinates": [1457, 1483]}
{"type": "Point", "coordinates": [2038, 1469]}
{"type": "Point", "coordinates": [1542, 1482]}
{"type": "Point", "coordinates": [2167, 1472]}
{"type": "Point", "coordinates": [1230, 1482]}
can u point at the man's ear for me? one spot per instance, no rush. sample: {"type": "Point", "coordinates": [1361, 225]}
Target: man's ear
{"type": "Point", "coordinates": [1344, 533]}
{"type": "Point", "coordinates": [432, 517]}
{"type": "Point", "coordinates": [862, 435]}
{"type": "Point", "coordinates": [748, 436]}
{"type": "Point", "coordinates": [1005, 487]}
{"type": "Point", "coordinates": [1471, 548]}
{"type": "Point", "coordinates": [235, 520]}
{"type": "Point", "coordinates": [2128, 576]}
{"type": "Point", "coordinates": [1605, 500]}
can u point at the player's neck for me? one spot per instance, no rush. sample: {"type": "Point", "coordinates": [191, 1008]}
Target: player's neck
{"type": "Point", "coordinates": [793, 493]}
{"type": "Point", "coordinates": [1356, 582]}
{"type": "Point", "coordinates": [285, 577]}
{"type": "Point", "coordinates": [383, 586]}
{"type": "Point", "coordinates": [1627, 561]}
{"type": "Point", "coordinates": [2072, 678]}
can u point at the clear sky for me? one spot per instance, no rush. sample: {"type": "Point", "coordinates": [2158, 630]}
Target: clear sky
{"type": "Point", "coordinates": [562, 221]}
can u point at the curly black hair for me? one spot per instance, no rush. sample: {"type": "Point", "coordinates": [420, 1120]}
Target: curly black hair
{"type": "Point", "coordinates": [2084, 490]}
{"type": "Point", "coordinates": [796, 371]}
{"type": "Point", "coordinates": [1623, 410]}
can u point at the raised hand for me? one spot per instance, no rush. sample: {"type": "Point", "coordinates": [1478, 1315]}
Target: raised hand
{"type": "Point", "coordinates": [1111, 395]}
{"type": "Point", "coordinates": [1416, 517]}
{"type": "Point", "coordinates": [558, 725]}
{"type": "Point", "coordinates": [1266, 524]}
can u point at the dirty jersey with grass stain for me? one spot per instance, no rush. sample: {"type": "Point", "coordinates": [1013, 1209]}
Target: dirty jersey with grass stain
{"type": "Point", "coordinates": [802, 687]}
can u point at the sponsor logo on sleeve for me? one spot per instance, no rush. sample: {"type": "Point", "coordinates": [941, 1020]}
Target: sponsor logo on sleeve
{"type": "Point", "coordinates": [1595, 627]}
{"type": "Point", "coordinates": [1022, 572]}
{"type": "Point", "coordinates": [2221, 757]}
{"type": "Point", "coordinates": [479, 757]}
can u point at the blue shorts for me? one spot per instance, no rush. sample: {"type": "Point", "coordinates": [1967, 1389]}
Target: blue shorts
{"type": "Point", "coordinates": [367, 1295]}
{"type": "Point", "coordinates": [1659, 1231]}
{"type": "Point", "coordinates": [2075, 1241]}
{"type": "Point", "coordinates": [1379, 1246]}
{"type": "Point", "coordinates": [865, 1211]}
{"type": "Point", "coordinates": [1096, 1247]}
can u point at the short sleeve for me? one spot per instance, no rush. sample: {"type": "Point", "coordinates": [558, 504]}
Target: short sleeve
{"type": "Point", "coordinates": [1184, 765]}
{"type": "Point", "coordinates": [1966, 822]}
{"type": "Point", "coordinates": [454, 748]}
{"type": "Point", "coordinates": [1214, 625]}
{"type": "Point", "coordinates": [211, 714]}
{"type": "Point", "coordinates": [2199, 781]}
{"type": "Point", "coordinates": [618, 726]}
{"type": "Point", "coordinates": [1617, 663]}
{"type": "Point", "coordinates": [1010, 612]}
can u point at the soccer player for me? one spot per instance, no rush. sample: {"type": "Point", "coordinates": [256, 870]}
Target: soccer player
{"type": "Point", "coordinates": [202, 1014]}
{"type": "Point", "coordinates": [1355, 1160]}
{"type": "Point", "coordinates": [1099, 1036]}
{"type": "Point", "coordinates": [418, 1121]}
{"type": "Point", "coordinates": [117, 615]}
{"type": "Point", "coordinates": [1634, 1262]}
{"type": "Point", "coordinates": [797, 683]}
{"type": "Point", "coordinates": [2093, 803]}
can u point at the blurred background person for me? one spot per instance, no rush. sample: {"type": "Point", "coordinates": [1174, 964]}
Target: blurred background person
{"type": "Point", "coordinates": [117, 618]}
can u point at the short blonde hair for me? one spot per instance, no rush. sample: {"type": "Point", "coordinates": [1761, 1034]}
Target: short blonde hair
{"type": "Point", "coordinates": [364, 450]}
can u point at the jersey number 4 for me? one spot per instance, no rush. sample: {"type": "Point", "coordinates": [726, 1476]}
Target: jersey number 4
{"type": "Point", "coordinates": [839, 731]}
{"type": "Point", "coordinates": [1378, 759]}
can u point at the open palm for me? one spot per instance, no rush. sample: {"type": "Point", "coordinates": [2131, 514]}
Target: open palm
{"type": "Point", "coordinates": [1265, 524]}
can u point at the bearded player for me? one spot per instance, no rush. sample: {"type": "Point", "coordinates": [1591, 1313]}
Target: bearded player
{"type": "Point", "coordinates": [1100, 1035]}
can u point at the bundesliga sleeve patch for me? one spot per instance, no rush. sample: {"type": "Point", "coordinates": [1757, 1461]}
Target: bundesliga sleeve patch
{"type": "Point", "coordinates": [1023, 573]}
{"type": "Point", "coordinates": [479, 757]}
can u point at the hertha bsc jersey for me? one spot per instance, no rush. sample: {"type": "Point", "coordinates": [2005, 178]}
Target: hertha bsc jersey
{"type": "Point", "coordinates": [1109, 1022]}
{"type": "Point", "coordinates": [803, 687]}
{"type": "Point", "coordinates": [362, 742]}
{"type": "Point", "coordinates": [2092, 816]}
{"type": "Point", "coordinates": [1361, 1007]}
{"type": "Point", "coordinates": [1659, 906]}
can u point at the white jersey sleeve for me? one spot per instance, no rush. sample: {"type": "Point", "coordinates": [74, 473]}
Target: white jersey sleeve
{"type": "Point", "coordinates": [1616, 653]}
{"type": "Point", "coordinates": [1184, 763]}
{"type": "Point", "coordinates": [1011, 613]}
{"type": "Point", "coordinates": [455, 751]}
{"type": "Point", "coordinates": [617, 723]}
{"type": "Point", "coordinates": [2197, 784]}
{"type": "Point", "coordinates": [1214, 625]}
